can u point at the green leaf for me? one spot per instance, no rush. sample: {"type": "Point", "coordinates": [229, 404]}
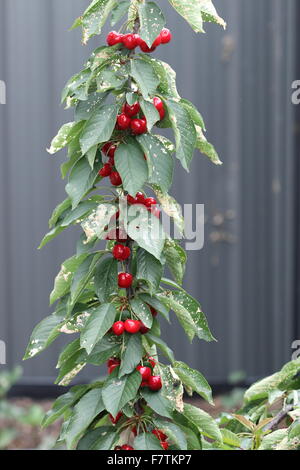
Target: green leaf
{"type": "Point", "coordinates": [98, 324]}
{"type": "Point", "coordinates": [95, 17]}
{"type": "Point", "coordinates": [155, 303]}
{"type": "Point", "coordinates": [262, 388]}
{"type": "Point", "coordinates": [119, 11]}
{"type": "Point", "coordinates": [170, 206]}
{"type": "Point", "coordinates": [158, 403]}
{"type": "Point", "coordinates": [145, 77]}
{"type": "Point", "coordinates": [189, 314]}
{"type": "Point", "coordinates": [85, 109]}
{"type": "Point", "coordinates": [44, 334]}
{"type": "Point", "coordinates": [194, 380]}
{"type": "Point", "coordinates": [58, 211]}
{"type": "Point", "coordinates": [82, 210]}
{"type": "Point", "coordinates": [94, 225]}
{"type": "Point", "coordinates": [149, 269]}
{"type": "Point", "coordinates": [152, 21]}
{"type": "Point", "coordinates": [83, 275]}
{"type": "Point", "coordinates": [206, 148]}
{"type": "Point", "coordinates": [146, 230]}
{"type": "Point", "coordinates": [184, 130]}
{"type": "Point", "coordinates": [108, 347]}
{"type": "Point", "coordinates": [64, 278]}
{"type": "Point", "coordinates": [174, 433]}
{"type": "Point", "coordinates": [102, 438]}
{"type": "Point", "coordinates": [66, 133]}
{"type": "Point", "coordinates": [106, 276]}
{"type": "Point", "coordinates": [117, 392]}
{"type": "Point", "coordinates": [162, 346]}
{"type": "Point", "coordinates": [63, 403]}
{"type": "Point", "coordinates": [230, 438]}
{"type": "Point", "coordinates": [194, 113]}
{"type": "Point", "coordinates": [271, 441]}
{"type": "Point", "coordinates": [146, 441]}
{"type": "Point", "coordinates": [166, 76]}
{"type": "Point", "coordinates": [81, 180]}
{"type": "Point", "coordinates": [130, 163]}
{"type": "Point", "coordinates": [86, 410]}
{"type": "Point", "coordinates": [99, 127]}
{"type": "Point", "coordinates": [204, 422]}
{"type": "Point", "coordinates": [150, 112]}
{"type": "Point", "coordinates": [159, 160]}
{"type": "Point", "coordinates": [142, 311]}
{"type": "Point", "coordinates": [132, 355]}
{"type": "Point", "coordinates": [51, 235]}
{"type": "Point", "coordinates": [195, 13]}
{"type": "Point", "coordinates": [176, 259]}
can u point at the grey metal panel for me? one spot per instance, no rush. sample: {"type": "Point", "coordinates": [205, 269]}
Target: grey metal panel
{"type": "Point", "coordinates": [240, 79]}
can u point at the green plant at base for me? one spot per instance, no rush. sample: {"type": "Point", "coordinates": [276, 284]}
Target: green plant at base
{"type": "Point", "coordinates": [270, 416]}
{"type": "Point", "coordinates": [119, 97]}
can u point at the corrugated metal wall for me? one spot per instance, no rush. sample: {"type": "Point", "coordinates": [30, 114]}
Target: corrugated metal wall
{"type": "Point", "coordinates": [241, 81]}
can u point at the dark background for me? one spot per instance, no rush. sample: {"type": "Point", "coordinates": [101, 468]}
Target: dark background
{"type": "Point", "coordinates": [246, 277]}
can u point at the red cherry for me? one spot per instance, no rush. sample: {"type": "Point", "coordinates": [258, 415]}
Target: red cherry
{"type": "Point", "coordinates": [157, 41]}
{"type": "Point", "coordinates": [125, 280]}
{"type": "Point", "coordinates": [105, 170]}
{"type": "Point", "coordinates": [140, 198]}
{"type": "Point", "coordinates": [121, 252]}
{"type": "Point", "coordinates": [118, 328]}
{"type": "Point", "coordinates": [131, 199]}
{"type": "Point", "coordinates": [155, 383]}
{"type": "Point", "coordinates": [132, 110]}
{"type": "Point", "coordinates": [113, 367]}
{"type": "Point", "coordinates": [166, 36]}
{"type": "Point", "coordinates": [134, 431]}
{"type": "Point", "coordinates": [130, 41]}
{"type": "Point", "coordinates": [155, 211]}
{"type": "Point", "coordinates": [113, 361]}
{"type": "Point", "coordinates": [123, 121]}
{"type": "Point", "coordinates": [153, 311]}
{"type": "Point", "coordinates": [132, 326]}
{"type": "Point", "coordinates": [162, 113]}
{"type": "Point", "coordinates": [144, 329]}
{"type": "Point", "coordinates": [118, 448]}
{"type": "Point", "coordinates": [114, 38]}
{"type": "Point", "coordinates": [150, 201]}
{"type": "Point", "coordinates": [117, 418]}
{"type": "Point", "coordinates": [145, 48]}
{"type": "Point", "coordinates": [127, 447]}
{"type": "Point", "coordinates": [111, 161]}
{"type": "Point", "coordinates": [165, 445]}
{"type": "Point", "coordinates": [105, 148]}
{"type": "Point", "coordinates": [159, 434]}
{"type": "Point", "coordinates": [115, 178]}
{"type": "Point", "coordinates": [158, 103]}
{"type": "Point", "coordinates": [145, 372]}
{"type": "Point", "coordinates": [138, 126]}
{"type": "Point", "coordinates": [152, 361]}
{"type": "Point", "coordinates": [111, 151]}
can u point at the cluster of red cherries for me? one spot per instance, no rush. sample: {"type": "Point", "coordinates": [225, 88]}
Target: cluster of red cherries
{"type": "Point", "coordinates": [131, 41]}
{"type": "Point", "coordinates": [131, 326]}
{"type": "Point", "coordinates": [148, 379]}
{"type": "Point", "coordinates": [127, 120]}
